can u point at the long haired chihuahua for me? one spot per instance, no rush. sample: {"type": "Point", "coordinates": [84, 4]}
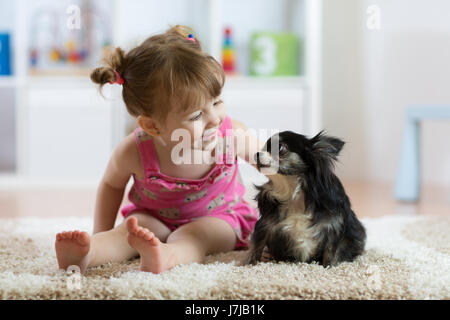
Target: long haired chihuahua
{"type": "Point", "coordinates": [305, 214]}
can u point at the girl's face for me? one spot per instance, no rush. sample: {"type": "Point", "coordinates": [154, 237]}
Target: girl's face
{"type": "Point", "coordinates": [202, 125]}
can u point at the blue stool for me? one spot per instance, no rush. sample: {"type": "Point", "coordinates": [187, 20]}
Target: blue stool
{"type": "Point", "coordinates": [407, 185]}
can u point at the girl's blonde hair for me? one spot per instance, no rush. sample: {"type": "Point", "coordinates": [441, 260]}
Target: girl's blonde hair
{"type": "Point", "coordinates": [166, 72]}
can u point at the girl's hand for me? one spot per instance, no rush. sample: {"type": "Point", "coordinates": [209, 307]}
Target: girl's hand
{"type": "Point", "coordinates": [246, 144]}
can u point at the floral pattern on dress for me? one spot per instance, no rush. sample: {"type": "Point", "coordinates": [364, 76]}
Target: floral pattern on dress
{"type": "Point", "coordinates": [216, 202]}
{"type": "Point", "coordinates": [195, 196]}
{"type": "Point", "coordinates": [149, 194]}
{"type": "Point", "coordinates": [169, 213]}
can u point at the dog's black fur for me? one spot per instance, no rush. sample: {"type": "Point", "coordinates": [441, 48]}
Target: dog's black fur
{"type": "Point", "coordinates": [305, 214]}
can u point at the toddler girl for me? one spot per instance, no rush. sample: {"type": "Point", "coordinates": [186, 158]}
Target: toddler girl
{"type": "Point", "coordinates": [181, 209]}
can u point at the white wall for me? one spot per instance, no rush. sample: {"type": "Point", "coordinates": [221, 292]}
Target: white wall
{"type": "Point", "coordinates": [370, 76]}
{"type": "Point", "coordinates": [6, 18]}
{"type": "Point", "coordinates": [342, 76]}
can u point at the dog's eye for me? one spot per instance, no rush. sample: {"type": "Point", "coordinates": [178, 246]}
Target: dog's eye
{"type": "Point", "coordinates": [282, 150]}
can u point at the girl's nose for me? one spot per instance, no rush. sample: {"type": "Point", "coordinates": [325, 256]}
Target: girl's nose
{"type": "Point", "coordinates": [214, 119]}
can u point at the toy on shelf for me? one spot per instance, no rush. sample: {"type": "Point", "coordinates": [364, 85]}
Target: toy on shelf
{"type": "Point", "coordinates": [33, 57]}
{"type": "Point", "coordinates": [5, 59]}
{"type": "Point", "coordinates": [55, 55]}
{"type": "Point", "coordinates": [228, 53]}
{"type": "Point", "coordinates": [274, 54]}
{"type": "Point", "coordinates": [57, 49]}
{"type": "Point", "coordinates": [73, 55]}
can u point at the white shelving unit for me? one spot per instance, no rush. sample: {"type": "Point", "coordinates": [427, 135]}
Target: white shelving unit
{"type": "Point", "coordinates": [7, 82]}
{"type": "Point", "coordinates": [65, 131]}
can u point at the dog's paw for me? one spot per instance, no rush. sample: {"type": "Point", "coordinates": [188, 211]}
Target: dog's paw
{"type": "Point", "coordinates": [250, 259]}
{"type": "Point", "coordinates": [266, 257]}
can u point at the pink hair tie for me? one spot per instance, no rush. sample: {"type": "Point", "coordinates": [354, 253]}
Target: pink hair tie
{"type": "Point", "coordinates": [119, 79]}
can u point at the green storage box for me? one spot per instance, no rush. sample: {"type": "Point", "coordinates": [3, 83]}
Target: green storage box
{"type": "Point", "coordinates": [274, 54]}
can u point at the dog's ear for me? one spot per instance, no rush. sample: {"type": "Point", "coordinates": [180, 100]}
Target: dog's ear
{"type": "Point", "coordinates": [327, 145]}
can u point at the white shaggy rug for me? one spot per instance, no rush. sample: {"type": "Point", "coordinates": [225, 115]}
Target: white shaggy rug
{"type": "Point", "coordinates": [406, 258]}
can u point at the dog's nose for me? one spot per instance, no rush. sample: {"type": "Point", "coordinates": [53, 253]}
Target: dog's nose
{"type": "Point", "coordinates": [262, 159]}
{"type": "Point", "coordinates": [257, 157]}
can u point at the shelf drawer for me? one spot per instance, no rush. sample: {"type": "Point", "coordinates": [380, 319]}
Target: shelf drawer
{"type": "Point", "coordinates": [69, 133]}
{"type": "Point", "coordinates": [64, 97]}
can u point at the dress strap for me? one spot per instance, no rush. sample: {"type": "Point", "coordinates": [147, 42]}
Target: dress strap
{"type": "Point", "coordinates": [147, 151]}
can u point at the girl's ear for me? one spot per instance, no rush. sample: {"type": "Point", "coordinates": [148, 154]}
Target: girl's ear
{"type": "Point", "coordinates": [149, 125]}
{"type": "Point", "coordinates": [327, 145]}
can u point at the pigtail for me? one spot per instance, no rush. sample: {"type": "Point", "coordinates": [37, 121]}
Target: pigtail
{"type": "Point", "coordinates": [112, 71]}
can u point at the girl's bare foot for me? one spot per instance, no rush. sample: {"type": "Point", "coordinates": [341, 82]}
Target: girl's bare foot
{"type": "Point", "coordinates": [72, 248]}
{"type": "Point", "coordinates": [154, 254]}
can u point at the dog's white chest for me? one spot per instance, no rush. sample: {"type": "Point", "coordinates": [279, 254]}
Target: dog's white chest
{"type": "Point", "coordinates": [298, 225]}
{"type": "Point", "coordinates": [296, 221]}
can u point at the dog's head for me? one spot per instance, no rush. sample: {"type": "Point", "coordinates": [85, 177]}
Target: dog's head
{"type": "Point", "coordinates": [293, 154]}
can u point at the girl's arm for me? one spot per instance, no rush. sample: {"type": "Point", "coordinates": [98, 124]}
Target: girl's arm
{"type": "Point", "coordinates": [246, 144]}
{"type": "Point", "coordinates": [112, 186]}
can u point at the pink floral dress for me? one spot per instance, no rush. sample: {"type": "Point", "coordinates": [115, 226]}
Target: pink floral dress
{"type": "Point", "coordinates": [179, 201]}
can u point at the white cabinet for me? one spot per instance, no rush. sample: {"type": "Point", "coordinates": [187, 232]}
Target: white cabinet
{"type": "Point", "coordinates": [69, 131]}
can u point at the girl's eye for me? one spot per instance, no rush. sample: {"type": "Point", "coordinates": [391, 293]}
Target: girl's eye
{"type": "Point", "coordinates": [218, 102]}
{"type": "Point", "coordinates": [197, 117]}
